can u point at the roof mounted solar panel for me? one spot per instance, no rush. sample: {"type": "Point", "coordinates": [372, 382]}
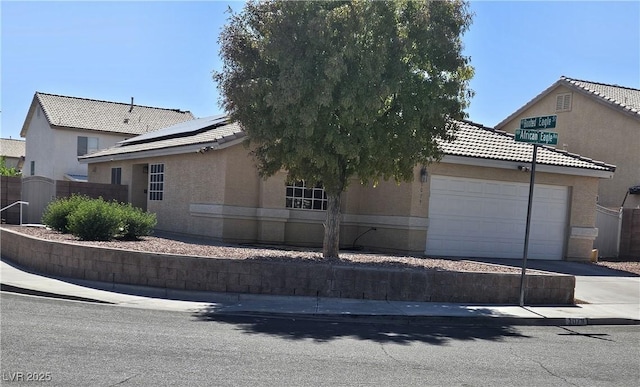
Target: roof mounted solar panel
{"type": "Point", "coordinates": [182, 129]}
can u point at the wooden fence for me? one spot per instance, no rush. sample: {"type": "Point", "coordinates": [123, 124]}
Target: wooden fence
{"type": "Point", "coordinates": [630, 236]}
{"type": "Point", "coordinates": [10, 192]}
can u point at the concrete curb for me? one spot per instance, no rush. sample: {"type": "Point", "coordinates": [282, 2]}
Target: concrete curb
{"type": "Point", "coordinates": [39, 293]}
{"type": "Point", "coordinates": [367, 318]}
{"type": "Point", "coordinates": [438, 320]}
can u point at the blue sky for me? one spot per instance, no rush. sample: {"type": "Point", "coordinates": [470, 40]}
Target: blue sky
{"type": "Point", "coordinates": [163, 53]}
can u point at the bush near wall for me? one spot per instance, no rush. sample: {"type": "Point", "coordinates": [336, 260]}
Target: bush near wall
{"type": "Point", "coordinates": [97, 220]}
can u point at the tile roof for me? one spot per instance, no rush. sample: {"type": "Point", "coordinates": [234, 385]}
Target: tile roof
{"type": "Point", "coordinates": [625, 98]}
{"type": "Point", "coordinates": [477, 141]}
{"type": "Point", "coordinates": [203, 131]}
{"type": "Point", "coordinates": [12, 148]}
{"type": "Point", "coordinates": [473, 141]}
{"type": "Point", "coordinates": [107, 116]}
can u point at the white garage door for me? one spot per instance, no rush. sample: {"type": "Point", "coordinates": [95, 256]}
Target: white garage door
{"type": "Point", "coordinates": [484, 218]}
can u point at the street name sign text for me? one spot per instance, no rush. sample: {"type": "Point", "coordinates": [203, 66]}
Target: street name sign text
{"type": "Point", "coordinates": [536, 137]}
{"type": "Point", "coordinates": [544, 122]}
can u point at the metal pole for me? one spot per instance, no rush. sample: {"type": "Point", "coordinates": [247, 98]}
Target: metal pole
{"type": "Point", "coordinates": [526, 233]}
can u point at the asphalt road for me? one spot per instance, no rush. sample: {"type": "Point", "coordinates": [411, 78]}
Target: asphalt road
{"type": "Point", "coordinates": [69, 343]}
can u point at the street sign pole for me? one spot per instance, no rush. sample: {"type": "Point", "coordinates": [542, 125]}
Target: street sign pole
{"type": "Point", "coordinates": [526, 233]}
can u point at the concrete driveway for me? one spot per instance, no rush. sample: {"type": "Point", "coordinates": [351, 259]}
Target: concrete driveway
{"type": "Point", "coordinates": [596, 285]}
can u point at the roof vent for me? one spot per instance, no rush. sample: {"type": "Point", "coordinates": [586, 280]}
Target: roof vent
{"type": "Point", "coordinates": [563, 102]}
{"type": "Point", "coordinates": [131, 107]}
{"type": "Point", "coordinates": [126, 120]}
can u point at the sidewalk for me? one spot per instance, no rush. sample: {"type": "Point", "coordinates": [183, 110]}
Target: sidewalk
{"type": "Point", "coordinates": [603, 307]}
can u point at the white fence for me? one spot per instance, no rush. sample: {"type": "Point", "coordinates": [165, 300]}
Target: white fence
{"type": "Point", "coordinates": [609, 224]}
{"type": "Point", "coordinates": [38, 191]}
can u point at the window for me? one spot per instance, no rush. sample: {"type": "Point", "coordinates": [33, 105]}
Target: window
{"type": "Point", "coordinates": [156, 181]}
{"type": "Point", "coordinates": [116, 176]}
{"type": "Point", "coordinates": [563, 102]}
{"type": "Point", "coordinates": [298, 195]}
{"type": "Point", "coordinates": [32, 168]}
{"type": "Point", "coordinates": [87, 145]}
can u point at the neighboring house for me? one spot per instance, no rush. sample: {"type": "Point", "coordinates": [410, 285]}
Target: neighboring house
{"type": "Point", "coordinates": [598, 120]}
{"type": "Point", "coordinates": [13, 151]}
{"type": "Point", "coordinates": [199, 179]}
{"type": "Point", "coordinates": [58, 129]}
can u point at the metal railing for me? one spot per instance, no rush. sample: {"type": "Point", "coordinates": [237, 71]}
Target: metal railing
{"type": "Point", "coordinates": [13, 204]}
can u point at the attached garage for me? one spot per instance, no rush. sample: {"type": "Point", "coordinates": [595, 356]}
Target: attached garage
{"type": "Point", "coordinates": [485, 218]}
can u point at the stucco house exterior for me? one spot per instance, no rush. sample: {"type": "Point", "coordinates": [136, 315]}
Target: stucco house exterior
{"type": "Point", "coordinates": [13, 151]}
{"type": "Point", "coordinates": [598, 120]}
{"type": "Point", "coordinates": [200, 179]}
{"type": "Point", "coordinates": [59, 128]}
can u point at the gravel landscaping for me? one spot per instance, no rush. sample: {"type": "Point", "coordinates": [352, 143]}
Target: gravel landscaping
{"type": "Point", "coordinates": [175, 246]}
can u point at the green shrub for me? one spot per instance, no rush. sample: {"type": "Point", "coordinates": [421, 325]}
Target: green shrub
{"type": "Point", "coordinates": [94, 220]}
{"type": "Point", "coordinates": [134, 222]}
{"type": "Point", "coordinates": [56, 213]}
{"type": "Point", "coordinates": [98, 220]}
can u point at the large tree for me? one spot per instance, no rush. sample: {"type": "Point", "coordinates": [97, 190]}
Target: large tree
{"type": "Point", "coordinates": [333, 90]}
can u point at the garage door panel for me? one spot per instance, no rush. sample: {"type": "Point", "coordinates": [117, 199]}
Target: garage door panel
{"type": "Point", "coordinates": [481, 218]}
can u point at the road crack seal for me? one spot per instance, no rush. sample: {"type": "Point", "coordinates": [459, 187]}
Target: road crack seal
{"type": "Point", "coordinates": [541, 366]}
{"type": "Point", "coordinates": [125, 380]}
{"type": "Point", "coordinates": [389, 355]}
{"type": "Point", "coordinates": [552, 374]}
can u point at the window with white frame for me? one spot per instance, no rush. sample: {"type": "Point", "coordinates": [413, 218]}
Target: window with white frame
{"type": "Point", "coordinates": [298, 195]}
{"type": "Point", "coordinates": [563, 102]}
{"type": "Point", "coordinates": [156, 181]}
{"type": "Point", "coordinates": [87, 145]}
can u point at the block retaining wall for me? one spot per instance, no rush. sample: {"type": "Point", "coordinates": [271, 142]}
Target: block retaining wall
{"type": "Point", "coordinates": [279, 278]}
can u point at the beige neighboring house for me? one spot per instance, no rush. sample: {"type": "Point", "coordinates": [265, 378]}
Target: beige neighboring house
{"type": "Point", "coordinates": [597, 120]}
{"type": "Point", "coordinates": [13, 151]}
{"type": "Point", "coordinates": [199, 179]}
{"type": "Point", "coordinates": [58, 129]}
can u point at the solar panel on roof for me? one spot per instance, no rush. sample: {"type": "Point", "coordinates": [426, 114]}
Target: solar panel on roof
{"type": "Point", "coordinates": [179, 130]}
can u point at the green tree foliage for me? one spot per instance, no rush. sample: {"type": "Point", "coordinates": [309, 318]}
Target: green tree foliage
{"type": "Point", "coordinates": [334, 90]}
{"type": "Point", "coordinates": [6, 171]}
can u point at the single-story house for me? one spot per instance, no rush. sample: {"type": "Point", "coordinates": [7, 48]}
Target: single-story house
{"type": "Point", "coordinates": [200, 180]}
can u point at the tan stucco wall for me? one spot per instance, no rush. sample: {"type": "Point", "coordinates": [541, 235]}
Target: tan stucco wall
{"type": "Point", "coordinates": [597, 131]}
{"type": "Point", "coordinates": [219, 194]}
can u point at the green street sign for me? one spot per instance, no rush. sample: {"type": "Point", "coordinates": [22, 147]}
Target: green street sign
{"type": "Point", "coordinates": [544, 122]}
{"type": "Point", "coordinates": [536, 137]}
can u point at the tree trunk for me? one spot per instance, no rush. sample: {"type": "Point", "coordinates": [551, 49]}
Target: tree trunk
{"type": "Point", "coordinates": [331, 245]}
